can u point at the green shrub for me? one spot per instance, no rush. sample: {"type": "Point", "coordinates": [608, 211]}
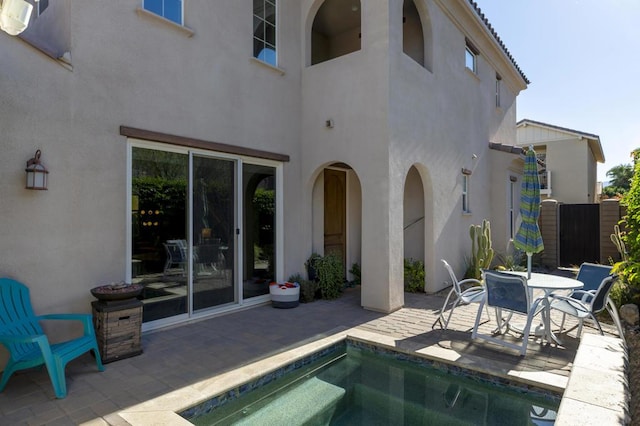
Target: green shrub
{"type": "Point", "coordinates": [629, 269]}
{"type": "Point", "coordinates": [295, 278]}
{"type": "Point", "coordinates": [355, 271]}
{"type": "Point", "coordinates": [310, 265]}
{"type": "Point", "coordinates": [512, 262]}
{"type": "Point", "coordinates": [414, 276]}
{"type": "Point", "coordinates": [308, 290]}
{"type": "Point", "coordinates": [330, 276]}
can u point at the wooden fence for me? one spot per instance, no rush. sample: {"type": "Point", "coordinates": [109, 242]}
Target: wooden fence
{"type": "Point", "coordinates": [571, 236]}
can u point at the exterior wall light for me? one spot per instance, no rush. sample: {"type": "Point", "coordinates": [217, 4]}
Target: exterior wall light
{"type": "Point", "coordinates": [37, 173]}
{"type": "Point", "coordinates": [14, 16]}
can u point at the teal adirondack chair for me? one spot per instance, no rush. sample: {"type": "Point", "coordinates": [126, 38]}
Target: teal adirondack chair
{"type": "Point", "coordinates": [22, 335]}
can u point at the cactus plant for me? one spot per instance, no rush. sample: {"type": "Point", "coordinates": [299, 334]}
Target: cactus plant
{"type": "Point", "coordinates": [481, 249]}
{"type": "Point", "coordinates": [616, 238]}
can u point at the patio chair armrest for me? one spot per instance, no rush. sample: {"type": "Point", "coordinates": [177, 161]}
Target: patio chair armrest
{"type": "Point", "coordinates": [86, 319]}
{"type": "Point", "coordinates": [472, 281]}
{"type": "Point", "coordinates": [574, 303]}
{"type": "Point", "coordinates": [29, 338]}
{"type": "Point", "coordinates": [583, 295]}
{"type": "Point", "coordinates": [535, 305]}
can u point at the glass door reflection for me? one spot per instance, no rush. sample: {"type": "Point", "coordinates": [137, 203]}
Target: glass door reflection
{"type": "Point", "coordinates": [158, 225]}
{"type": "Point", "coordinates": [259, 215]}
{"type": "Point", "coordinates": [213, 215]}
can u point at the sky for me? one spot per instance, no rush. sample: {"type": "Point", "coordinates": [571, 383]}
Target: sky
{"type": "Point", "coordinates": [583, 60]}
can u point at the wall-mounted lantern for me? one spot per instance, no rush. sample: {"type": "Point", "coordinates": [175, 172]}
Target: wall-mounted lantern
{"type": "Point", "coordinates": [37, 173]}
{"type": "Point", "coordinates": [14, 16]}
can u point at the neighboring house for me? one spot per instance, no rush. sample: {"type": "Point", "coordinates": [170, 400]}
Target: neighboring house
{"type": "Point", "coordinates": [568, 161]}
{"type": "Point", "coordinates": [202, 157]}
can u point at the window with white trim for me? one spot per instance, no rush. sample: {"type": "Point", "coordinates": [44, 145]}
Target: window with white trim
{"type": "Point", "coordinates": [498, 89]}
{"type": "Point", "coordinates": [168, 9]}
{"type": "Point", "coordinates": [471, 57]}
{"type": "Point", "coordinates": [42, 5]}
{"type": "Point", "coordinates": [264, 31]}
{"type": "Point", "coordinates": [512, 206]}
{"type": "Point", "coordinates": [465, 193]}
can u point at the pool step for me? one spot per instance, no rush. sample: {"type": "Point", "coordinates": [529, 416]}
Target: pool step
{"type": "Point", "coordinates": [377, 405]}
{"type": "Point", "coordinates": [341, 374]}
{"type": "Point", "coordinates": [312, 402]}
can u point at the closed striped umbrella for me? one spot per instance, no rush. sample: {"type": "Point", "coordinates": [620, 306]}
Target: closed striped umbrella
{"type": "Point", "coordinates": [528, 238]}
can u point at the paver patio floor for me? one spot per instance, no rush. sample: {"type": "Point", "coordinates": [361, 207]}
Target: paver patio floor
{"type": "Point", "coordinates": [180, 356]}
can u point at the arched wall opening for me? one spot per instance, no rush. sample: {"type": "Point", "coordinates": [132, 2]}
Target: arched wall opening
{"type": "Point", "coordinates": [418, 217]}
{"type": "Point", "coordinates": [414, 216]}
{"type": "Point", "coordinates": [336, 30]}
{"type": "Point", "coordinates": [417, 40]}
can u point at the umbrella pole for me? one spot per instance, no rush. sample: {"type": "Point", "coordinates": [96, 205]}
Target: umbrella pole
{"type": "Point", "coordinates": [529, 265]}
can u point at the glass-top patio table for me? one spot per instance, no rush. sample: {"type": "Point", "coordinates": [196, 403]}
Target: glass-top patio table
{"type": "Point", "coordinates": [548, 283]}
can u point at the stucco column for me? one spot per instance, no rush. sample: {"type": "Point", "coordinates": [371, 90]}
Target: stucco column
{"type": "Point", "coordinates": [382, 245]}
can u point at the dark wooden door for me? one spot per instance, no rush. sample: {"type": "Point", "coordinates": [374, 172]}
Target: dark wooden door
{"type": "Point", "coordinates": [579, 234]}
{"type": "Point", "coordinates": [335, 213]}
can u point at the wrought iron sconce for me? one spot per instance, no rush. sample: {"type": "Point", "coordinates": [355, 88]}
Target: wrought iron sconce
{"type": "Point", "coordinates": [37, 173]}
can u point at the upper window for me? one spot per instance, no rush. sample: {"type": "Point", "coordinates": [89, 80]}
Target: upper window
{"type": "Point", "coordinates": [465, 194]}
{"type": "Point", "coordinates": [471, 57]}
{"type": "Point", "coordinates": [498, 84]}
{"type": "Point", "coordinates": [42, 5]}
{"type": "Point", "coordinates": [168, 9]}
{"type": "Point", "coordinates": [264, 30]}
{"type": "Point", "coordinates": [512, 206]}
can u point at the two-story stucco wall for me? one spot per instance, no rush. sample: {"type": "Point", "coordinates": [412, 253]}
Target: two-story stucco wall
{"type": "Point", "coordinates": [570, 156]}
{"type": "Point", "coordinates": [569, 162]}
{"type": "Point", "coordinates": [351, 91]}
{"type": "Point", "coordinates": [399, 129]}
{"type": "Point", "coordinates": [129, 68]}
{"type": "Point", "coordinates": [407, 126]}
{"type": "Point", "coordinates": [435, 132]}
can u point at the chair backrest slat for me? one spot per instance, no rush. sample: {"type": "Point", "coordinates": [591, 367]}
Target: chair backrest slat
{"type": "Point", "coordinates": [506, 291]}
{"type": "Point", "coordinates": [16, 314]}
{"type": "Point", "coordinates": [599, 301]}
{"type": "Point", "coordinates": [591, 275]}
{"type": "Point", "coordinates": [454, 279]}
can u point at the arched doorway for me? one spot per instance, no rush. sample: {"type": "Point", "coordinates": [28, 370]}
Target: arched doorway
{"type": "Point", "coordinates": [414, 216]}
{"type": "Point", "coordinates": [337, 213]}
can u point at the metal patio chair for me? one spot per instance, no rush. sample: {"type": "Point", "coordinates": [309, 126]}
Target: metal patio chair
{"type": "Point", "coordinates": [473, 294]}
{"type": "Point", "coordinates": [176, 251]}
{"type": "Point", "coordinates": [508, 292]}
{"type": "Point", "coordinates": [586, 304]}
{"type": "Point", "coordinates": [22, 335]}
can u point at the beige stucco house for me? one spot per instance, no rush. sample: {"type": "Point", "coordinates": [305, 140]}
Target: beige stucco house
{"type": "Point", "coordinates": [568, 160]}
{"type": "Point", "coordinates": [205, 148]}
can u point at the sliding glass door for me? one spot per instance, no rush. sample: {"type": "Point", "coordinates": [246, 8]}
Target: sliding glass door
{"type": "Point", "coordinates": [259, 219]}
{"type": "Point", "coordinates": [214, 226]}
{"type": "Point", "coordinates": [159, 204]}
{"type": "Point", "coordinates": [203, 230]}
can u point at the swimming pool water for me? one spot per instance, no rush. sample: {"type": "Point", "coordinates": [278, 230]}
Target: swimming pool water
{"type": "Point", "coordinates": [356, 383]}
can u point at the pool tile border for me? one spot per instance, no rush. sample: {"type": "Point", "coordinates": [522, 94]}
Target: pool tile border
{"type": "Point", "coordinates": [578, 398]}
